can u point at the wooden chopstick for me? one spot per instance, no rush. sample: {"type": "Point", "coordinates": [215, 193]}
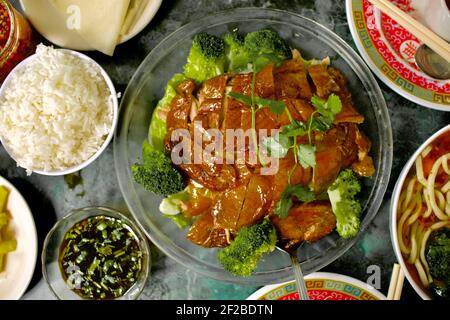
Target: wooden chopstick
{"type": "Point", "coordinates": [432, 40]}
{"type": "Point", "coordinates": [396, 284]}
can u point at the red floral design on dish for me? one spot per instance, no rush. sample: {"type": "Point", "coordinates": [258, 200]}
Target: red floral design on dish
{"type": "Point", "coordinates": [397, 46]}
{"type": "Point", "coordinates": [320, 295]}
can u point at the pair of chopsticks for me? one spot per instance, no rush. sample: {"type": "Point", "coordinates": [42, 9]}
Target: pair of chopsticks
{"type": "Point", "coordinates": [396, 285]}
{"type": "Point", "coordinates": [432, 40]}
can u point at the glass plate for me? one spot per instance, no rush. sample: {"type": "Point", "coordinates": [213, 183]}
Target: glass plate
{"type": "Point", "coordinates": [147, 87]}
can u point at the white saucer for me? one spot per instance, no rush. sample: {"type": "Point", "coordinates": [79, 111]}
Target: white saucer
{"type": "Point", "coordinates": [20, 264]}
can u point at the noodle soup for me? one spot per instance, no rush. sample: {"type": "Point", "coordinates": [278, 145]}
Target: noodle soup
{"type": "Point", "coordinates": [420, 221]}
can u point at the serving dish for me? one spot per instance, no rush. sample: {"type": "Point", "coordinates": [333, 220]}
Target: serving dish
{"type": "Point", "coordinates": [47, 21]}
{"type": "Point", "coordinates": [20, 263]}
{"type": "Point", "coordinates": [113, 100]}
{"type": "Point", "coordinates": [147, 86]}
{"type": "Point", "coordinates": [410, 272]}
{"type": "Point", "coordinates": [50, 257]}
{"type": "Point", "coordinates": [389, 51]}
{"type": "Point", "coordinates": [321, 286]}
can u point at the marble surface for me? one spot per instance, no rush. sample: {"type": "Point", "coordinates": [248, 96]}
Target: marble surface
{"type": "Point", "coordinates": [50, 197]}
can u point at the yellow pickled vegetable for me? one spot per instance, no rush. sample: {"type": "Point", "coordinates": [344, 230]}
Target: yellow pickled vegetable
{"type": "Point", "coordinates": [6, 245]}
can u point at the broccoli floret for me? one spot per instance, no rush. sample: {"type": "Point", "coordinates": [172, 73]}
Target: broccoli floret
{"type": "Point", "coordinates": [237, 54]}
{"type": "Point", "coordinates": [206, 59]}
{"type": "Point", "coordinates": [438, 258]}
{"type": "Point", "coordinates": [266, 46]}
{"type": "Point", "coordinates": [242, 255]}
{"type": "Point", "coordinates": [345, 207]}
{"type": "Point", "coordinates": [157, 174]}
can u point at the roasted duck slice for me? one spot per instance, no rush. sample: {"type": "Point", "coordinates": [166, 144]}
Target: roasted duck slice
{"type": "Point", "coordinates": [305, 222]}
{"type": "Point", "coordinates": [204, 233]}
{"type": "Point", "coordinates": [364, 167]}
{"type": "Point", "coordinates": [209, 114]}
{"type": "Point", "coordinates": [211, 98]}
{"type": "Point", "coordinates": [300, 109]}
{"type": "Point", "coordinates": [348, 113]}
{"type": "Point", "coordinates": [243, 205]}
{"type": "Point", "coordinates": [216, 177]}
{"type": "Point", "coordinates": [325, 84]}
{"type": "Point", "coordinates": [180, 108]}
{"type": "Point", "coordinates": [213, 88]}
{"type": "Point", "coordinates": [291, 79]}
{"type": "Point", "coordinates": [264, 83]}
{"type": "Point", "coordinates": [335, 150]}
{"type": "Point", "coordinates": [199, 200]}
{"type": "Point", "coordinates": [196, 206]}
{"type": "Point", "coordinates": [257, 197]}
{"type": "Point", "coordinates": [298, 175]}
{"type": "Point", "coordinates": [228, 206]}
{"type": "Point", "coordinates": [264, 119]}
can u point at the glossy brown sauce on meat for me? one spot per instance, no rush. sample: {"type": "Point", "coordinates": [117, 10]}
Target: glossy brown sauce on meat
{"type": "Point", "coordinates": [238, 194]}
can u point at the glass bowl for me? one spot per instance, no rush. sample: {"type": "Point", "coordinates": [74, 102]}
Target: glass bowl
{"type": "Point", "coordinates": [50, 253]}
{"type": "Point", "coordinates": [147, 87]}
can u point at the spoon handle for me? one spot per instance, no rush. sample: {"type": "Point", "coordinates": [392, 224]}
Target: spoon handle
{"type": "Point", "coordinates": [301, 285]}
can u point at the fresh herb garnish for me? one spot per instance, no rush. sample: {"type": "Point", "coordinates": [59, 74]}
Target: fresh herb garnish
{"type": "Point", "coordinates": [275, 106]}
{"type": "Point", "coordinates": [256, 104]}
{"type": "Point", "coordinates": [307, 155]}
{"type": "Point", "coordinates": [279, 145]}
{"type": "Point", "coordinates": [302, 193]}
{"type": "Point", "coordinates": [276, 146]}
{"type": "Point", "coordinates": [329, 108]}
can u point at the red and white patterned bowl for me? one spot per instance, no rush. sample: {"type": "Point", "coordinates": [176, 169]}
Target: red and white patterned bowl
{"type": "Point", "coordinates": [321, 286]}
{"type": "Point", "coordinates": [389, 51]}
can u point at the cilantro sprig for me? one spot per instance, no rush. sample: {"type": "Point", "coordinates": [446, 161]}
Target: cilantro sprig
{"type": "Point", "coordinates": [275, 106]}
{"type": "Point", "coordinates": [321, 120]}
{"type": "Point", "coordinates": [279, 145]}
{"type": "Point", "coordinates": [302, 193]}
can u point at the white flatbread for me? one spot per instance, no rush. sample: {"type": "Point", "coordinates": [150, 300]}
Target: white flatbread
{"type": "Point", "coordinates": [98, 22]}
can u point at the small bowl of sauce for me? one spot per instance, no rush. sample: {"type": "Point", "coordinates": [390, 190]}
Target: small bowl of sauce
{"type": "Point", "coordinates": [96, 254]}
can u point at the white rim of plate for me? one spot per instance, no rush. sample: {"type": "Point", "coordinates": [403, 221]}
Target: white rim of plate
{"type": "Point", "coordinates": [393, 212]}
{"type": "Point", "coordinates": [378, 73]}
{"type": "Point", "coordinates": [28, 214]}
{"type": "Point", "coordinates": [115, 102]}
{"type": "Point", "coordinates": [321, 275]}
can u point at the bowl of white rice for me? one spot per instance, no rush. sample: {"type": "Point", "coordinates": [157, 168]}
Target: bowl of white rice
{"type": "Point", "coordinates": [58, 112]}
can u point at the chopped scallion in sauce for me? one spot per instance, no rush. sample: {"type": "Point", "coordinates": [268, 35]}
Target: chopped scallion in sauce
{"type": "Point", "coordinates": [100, 258]}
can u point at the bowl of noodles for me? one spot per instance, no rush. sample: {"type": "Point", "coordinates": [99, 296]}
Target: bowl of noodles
{"type": "Point", "coordinates": [420, 218]}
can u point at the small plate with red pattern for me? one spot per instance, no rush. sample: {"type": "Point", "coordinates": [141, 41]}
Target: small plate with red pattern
{"type": "Point", "coordinates": [321, 286]}
{"type": "Point", "coordinates": [389, 51]}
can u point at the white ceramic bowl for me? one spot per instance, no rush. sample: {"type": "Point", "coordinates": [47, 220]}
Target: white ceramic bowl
{"type": "Point", "coordinates": [115, 103]}
{"type": "Point", "coordinates": [409, 271]}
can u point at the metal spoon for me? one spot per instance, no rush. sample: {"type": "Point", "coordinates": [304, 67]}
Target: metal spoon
{"type": "Point", "coordinates": [298, 274]}
{"type": "Point", "coordinates": [299, 279]}
{"type": "Point", "coordinates": [431, 63]}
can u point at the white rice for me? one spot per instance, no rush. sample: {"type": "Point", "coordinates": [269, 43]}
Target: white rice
{"type": "Point", "coordinates": [56, 112]}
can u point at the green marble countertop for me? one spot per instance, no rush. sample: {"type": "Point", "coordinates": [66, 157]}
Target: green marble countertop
{"type": "Point", "coordinates": [50, 198]}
